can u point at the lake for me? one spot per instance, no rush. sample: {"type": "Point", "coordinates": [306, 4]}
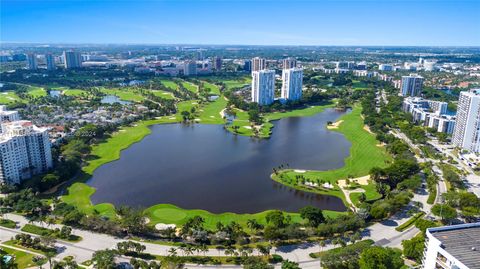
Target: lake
{"type": "Point", "coordinates": [203, 166]}
{"type": "Point", "coordinates": [111, 99]}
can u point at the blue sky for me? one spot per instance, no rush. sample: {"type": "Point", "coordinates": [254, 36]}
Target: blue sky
{"type": "Point", "coordinates": [261, 22]}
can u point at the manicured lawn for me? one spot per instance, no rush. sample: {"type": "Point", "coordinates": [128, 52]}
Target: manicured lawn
{"type": "Point", "coordinates": [37, 92]}
{"type": "Point", "coordinates": [8, 223]}
{"type": "Point", "coordinates": [213, 89]}
{"type": "Point", "coordinates": [166, 213]}
{"type": "Point", "coordinates": [9, 97]}
{"type": "Point", "coordinates": [364, 153]}
{"type": "Point", "coordinates": [163, 94]}
{"type": "Point", "coordinates": [359, 85]}
{"type": "Point", "coordinates": [231, 84]}
{"type": "Point", "coordinates": [169, 84]}
{"type": "Point", "coordinates": [124, 94]}
{"type": "Point", "coordinates": [370, 192]}
{"type": "Point", "coordinates": [22, 259]}
{"type": "Point", "coordinates": [211, 112]}
{"type": "Point", "coordinates": [34, 229]}
{"type": "Point", "coordinates": [71, 92]}
{"type": "Point", "coordinates": [190, 86]}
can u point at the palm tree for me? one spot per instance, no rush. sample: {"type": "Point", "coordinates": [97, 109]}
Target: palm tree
{"type": "Point", "coordinates": [172, 252]}
{"type": "Point", "coordinates": [322, 244]}
{"type": "Point", "coordinates": [39, 261]}
{"type": "Point", "coordinates": [49, 255]}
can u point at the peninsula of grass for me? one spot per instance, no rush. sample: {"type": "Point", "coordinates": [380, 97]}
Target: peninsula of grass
{"type": "Point", "coordinates": [210, 113]}
{"type": "Point", "coordinates": [22, 258]}
{"type": "Point", "coordinates": [364, 155]}
{"type": "Point", "coordinates": [71, 92]}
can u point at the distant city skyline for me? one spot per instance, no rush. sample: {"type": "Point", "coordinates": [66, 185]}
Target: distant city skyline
{"type": "Point", "coordinates": [264, 22]}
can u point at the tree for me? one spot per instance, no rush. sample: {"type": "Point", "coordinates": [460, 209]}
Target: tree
{"type": "Point", "coordinates": [104, 259]}
{"type": "Point", "coordinates": [413, 248]}
{"type": "Point", "coordinates": [314, 215]}
{"type": "Point", "coordinates": [256, 263]}
{"type": "Point", "coordinates": [49, 255]}
{"type": "Point", "coordinates": [446, 212]}
{"type": "Point", "coordinates": [276, 218]}
{"type": "Point", "coordinates": [380, 258]}
{"type": "Point", "coordinates": [290, 265]}
{"type": "Point", "coordinates": [39, 261]}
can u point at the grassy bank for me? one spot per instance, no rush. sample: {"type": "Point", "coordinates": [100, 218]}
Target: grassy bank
{"type": "Point", "coordinates": [364, 155]}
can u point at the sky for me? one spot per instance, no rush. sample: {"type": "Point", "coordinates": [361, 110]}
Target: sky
{"type": "Point", "coordinates": [247, 22]}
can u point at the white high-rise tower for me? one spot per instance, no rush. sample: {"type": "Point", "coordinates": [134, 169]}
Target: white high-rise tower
{"type": "Point", "coordinates": [466, 134]}
{"type": "Point", "coordinates": [263, 87]}
{"type": "Point", "coordinates": [292, 83]}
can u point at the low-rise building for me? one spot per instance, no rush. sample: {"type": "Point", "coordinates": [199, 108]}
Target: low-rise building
{"type": "Point", "coordinates": [452, 247]}
{"type": "Point", "coordinates": [430, 113]}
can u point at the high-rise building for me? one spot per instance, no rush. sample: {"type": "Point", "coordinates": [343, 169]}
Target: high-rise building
{"type": "Point", "coordinates": [25, 150]}
{"type": "Point", "coordinates": [288, 63]}
{"type": "Point", "coordinates": [411, 85]}
{"type": "Point", "coordinates": [72, 59]}
{"type": "Point", "coordinates": [50, 60]}
{"type": "Point", "coordinates": [292, 83]}
{"type": "Point", "coordinates": [217, 63]}
{"type": "Point", "coordinates": [8, 115]}
{"type": "Point", "coordinates": [190, 68]}
{"type": "Point", "coordinates": [467, 125]}
{"type": "Point", "coordinates": [247, 65]}
{"type": "Point", "coordinates": [452, 247]}
{"type": "Point", "coordinates": [258, 64]}
{"type": "Point", "coordinates": [263, 87]}
{"type": "Point", "coordinates": [32, 61]}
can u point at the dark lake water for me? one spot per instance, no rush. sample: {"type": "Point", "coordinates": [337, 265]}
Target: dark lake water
{"type": "Point", "coordinates": [206, 167]}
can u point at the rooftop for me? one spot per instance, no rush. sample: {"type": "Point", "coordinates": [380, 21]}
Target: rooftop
{"type": "Point", "coordinates": [461, 241]}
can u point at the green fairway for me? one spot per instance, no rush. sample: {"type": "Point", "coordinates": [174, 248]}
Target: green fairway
{"type": "Point", "coordinates": [70, 92]}
{"type": "Point", "coordinates": [163, 94]}
{"type": "Point", "coordinates": [190, 86]}
{"type": "Point", "coordinates": [211, 112]}
{"type": "Point", "coordinates": [37, 91]}
{"type": "Point", "coordinates": [22, 259]}
{"type": "Point", "coordinates": [9, 97]}
{"type": "Point", "coordinates": [232, 84]}
{"type": "Point", "coordinates": [305, 112]}
{"type": "Point", "coordinates": [364, 155]}
{"type": "Point", "coordinates": [370, 192]}
{"type": "Point", "coordinates": [124, 94]}
{"type": "Point", "coordinates": [169, 84]}
{"type": "Point", "coordinates": [212, 88]}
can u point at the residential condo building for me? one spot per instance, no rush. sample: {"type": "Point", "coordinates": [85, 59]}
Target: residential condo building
{"type": "Point", "coordinates": [72, 59]}
{"type": "Point", "coordinates": [430, 113]}
{"type": "Point", "coordinates": [263, 87]}
{"type": "Point", "coordinates": [32, 61]}
{"type": "Point", "coordinates": [292, 83]}
{"type": "Point", "coordinates": [8, 115]}
{"type": "Point", "coordinates": [50, 61]}
{"type": "Point", "coordinates": [289, 63]}
{"type": "Point", "coordinates": [217, 63]}
{"type": "Point", "coordinates": [190, 68]}
{"type": "Point", "coordinates": [411, 85]}
{"type": "Point", "coordinates": [452, 247]}
{"type": "Point", "coordinates": [25, 150]}
{"type": "Point", "coordinates": [467, 125]}
{"type": "Point", "coordinates": [385, 67]}
{"type": "Point", "coordinates": [258, 64]}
